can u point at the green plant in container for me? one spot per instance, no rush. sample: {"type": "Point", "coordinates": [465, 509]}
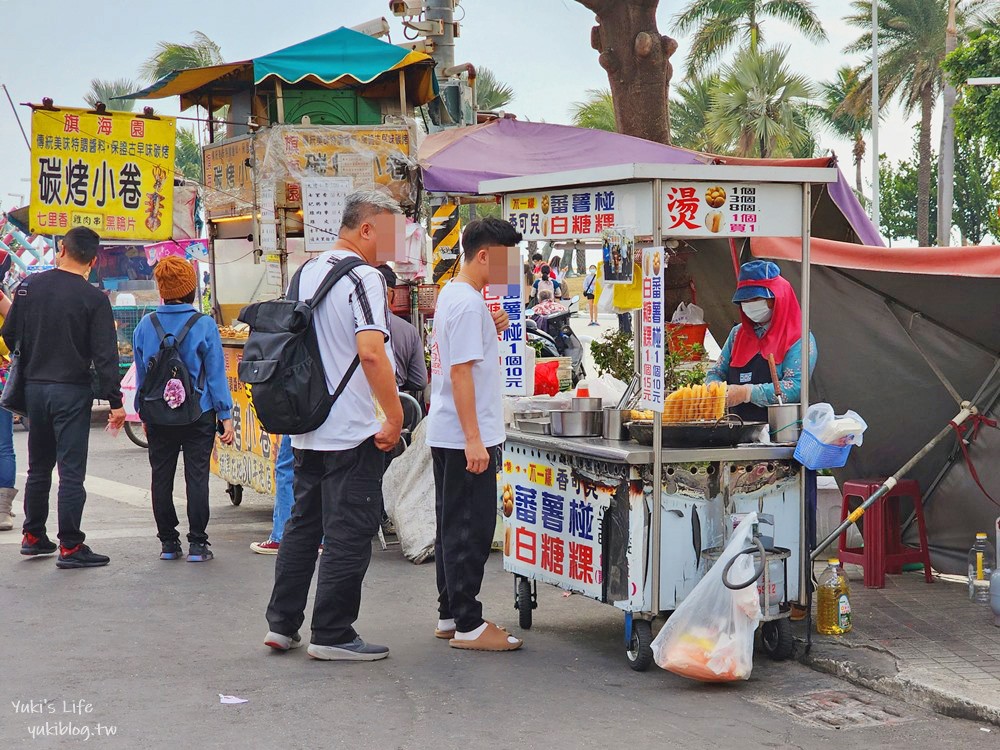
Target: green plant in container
{"type": "Point", "coordinates": [613, 354]}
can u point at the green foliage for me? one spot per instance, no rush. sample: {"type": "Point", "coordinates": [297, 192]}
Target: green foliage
{"type": "Point", "coordinates": [758, 108]}
{"type": "Point", "coordinates": [171, 56]}
{"type": "Point", "coordinates": [898, 196]}
{"type": "Point", "coordinates": [105, 91]}
{"type": "Point", "coordinates": [187, 154]}
{"type": "Point", "coordinates": [977, 185]}
{"type": "Point", "coordinates": [689, 113]}
{"type": "Point", "coordinates": [978, 109]}
{"type": "Point", "coordinates": [491, 93]}
{"type": "Point", "coordinates": [721, 24]}
{"type": "Point", "coordinates": [596, 112]}
{"type": "Point", "coordinates": [613, 354]}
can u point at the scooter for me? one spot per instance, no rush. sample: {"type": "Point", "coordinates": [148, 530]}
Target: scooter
{"type": "Point", "coordinates": [558, 340]}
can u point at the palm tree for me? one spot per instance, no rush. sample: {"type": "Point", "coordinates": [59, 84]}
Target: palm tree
{"type": "Point", "coordinates": [187, 154]}
{"type": "Point", "coordinates": [105, 91]}
{"type": "Point", "coordinates": [911, 40]}
{"type": "Point", "coordinates": [689, 110]}
{"type": "Point", "coordinates": [597, 112]}
{"type": "Point", "coordinates": [759, 107]}
{"type": "Point", "coordinates": [840, 118]}
{"type": "Point", "coordinates": [491, 93]}
{"type": "Point", "coordinates": [720, 24]}
{"type": "Point", "coordinates": [171, 56]}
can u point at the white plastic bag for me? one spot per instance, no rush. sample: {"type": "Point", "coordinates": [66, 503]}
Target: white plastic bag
{"type": "Point", "coordinates": [834, 429]}
{"type": "Point", "coordinates": [710, 635]}
{"type": "Point", "coordinates": [607, 387]}
{"type": "Point", "coordinates": [688, 314]}
{"type": "Point", "coordinates": [606, 302]}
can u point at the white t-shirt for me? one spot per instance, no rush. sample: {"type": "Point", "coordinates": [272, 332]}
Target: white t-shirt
{"type": "Point", "coordinates": [358, 302]}
{"type": "Point", "coordinates": [464, 332]}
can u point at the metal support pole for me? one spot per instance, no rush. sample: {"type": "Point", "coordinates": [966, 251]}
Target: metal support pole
{"type": "Point", "coordinates": [444, 45]}
{"type": "Point", "coordinates": [875, 112]}
{"type": "Point", "coordinates": [279, 102]}
{"type": "Point", "coordinates": [805, 293]}
{"type": "Point", "coordinates": [656, 525]}
{"type": "Point", "coordinates": [402, 93]}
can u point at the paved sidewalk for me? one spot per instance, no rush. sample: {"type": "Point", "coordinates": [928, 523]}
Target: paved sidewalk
{"type": "Point", "coordinates": [923, 643]}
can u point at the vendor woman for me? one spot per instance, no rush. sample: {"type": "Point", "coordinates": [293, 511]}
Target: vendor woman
{"type": "Point", "coordinates": [771, 324]}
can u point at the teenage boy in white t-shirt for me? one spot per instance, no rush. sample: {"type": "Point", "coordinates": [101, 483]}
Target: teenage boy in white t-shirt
{"type": "Point", "coordinates": [465, 432]}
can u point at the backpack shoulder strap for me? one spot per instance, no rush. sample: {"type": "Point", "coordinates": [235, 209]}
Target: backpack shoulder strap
{"type": "Point", "coordinates": [186, 329]}
{"type": "Point", "coordinates": [340, 269]}
{"type": "Point", "coordinates": [293, 286]}
{"type": "Point", "coordinates": [158, 327]}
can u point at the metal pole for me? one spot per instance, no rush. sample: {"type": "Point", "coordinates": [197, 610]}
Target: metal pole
{"type": "Point", "coordinates": [17, 117]}
{"type": "Point", "coordinates": [804, 563]}
{"type": "Point", "coordinates": [946, 173]}
{"type": "Point", "coordinates": [444, 45]}
{"type": "Point", "coordinates": [657, 519]}
{"type": "Point", "coordinates": [875, 111]}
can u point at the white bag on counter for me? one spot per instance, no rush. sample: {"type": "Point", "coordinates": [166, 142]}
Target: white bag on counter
{"type": "Point", "coordinates": [688, 314]}
{"type": "Point", "coordinates": [607, 387]}
{"type": "Point", "coordinates": [833, 429]}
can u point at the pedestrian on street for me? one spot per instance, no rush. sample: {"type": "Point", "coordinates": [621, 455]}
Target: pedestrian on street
{"type": "Point", "coordinates": [465, 433]}
{"type": "Point", "coordinates": [64, 326]}
{"type": "Point", "coordinates": [284, 498]}
{"type": "Point", "coordinates": [172, 424]}
{"type": "Point", "coordinates": [589, 287]}
{"type": "Point", "coordinates": [8, 461]}
{"type": "Point", "coordinates": [407, 346]}
{"type": "Point", "coordinates": [339, 467]}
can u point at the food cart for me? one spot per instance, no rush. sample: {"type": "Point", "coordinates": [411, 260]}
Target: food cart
{"type": "Point", "coordinates": [638, 526]}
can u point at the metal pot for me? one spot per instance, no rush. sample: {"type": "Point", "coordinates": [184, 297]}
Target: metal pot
{"type": "Point", "coordinates": [586, 404]}
{"type": "Point", "coordinates": [577, 423]}
{"type": "Point", "coordinates": [614, 423]}
{"type": "Point", "coordinates": [783, 423]}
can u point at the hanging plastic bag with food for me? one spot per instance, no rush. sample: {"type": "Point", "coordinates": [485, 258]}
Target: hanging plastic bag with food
{"type": "Point", "coordinates": [710, 635]}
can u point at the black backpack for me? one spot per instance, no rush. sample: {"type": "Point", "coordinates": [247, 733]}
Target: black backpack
{"type": "Point", "coordinates": [163, 367]}
{"type": "Point", "coordinates": [281, 359]}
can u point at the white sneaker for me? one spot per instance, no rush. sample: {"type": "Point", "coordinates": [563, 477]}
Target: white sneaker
{"type": "Point", "coordinates": [356, 650]}
{"type": "Point", "coordinates": [280, 642]}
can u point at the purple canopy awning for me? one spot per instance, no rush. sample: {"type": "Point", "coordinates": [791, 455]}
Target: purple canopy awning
{"type": "Point", "coordinates": [457, 160]}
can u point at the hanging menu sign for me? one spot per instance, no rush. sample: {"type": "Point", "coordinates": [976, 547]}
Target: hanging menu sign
{"type": "Point", "coordinates": [651, 378]}
{"type": "Point", "coordinates": [729, 209]}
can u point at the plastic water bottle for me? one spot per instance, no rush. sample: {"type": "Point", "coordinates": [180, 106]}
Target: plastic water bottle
{"type": "Point", "coordinates": [981, 565]}
{"type": "Point", "coordinates": [833, 596]}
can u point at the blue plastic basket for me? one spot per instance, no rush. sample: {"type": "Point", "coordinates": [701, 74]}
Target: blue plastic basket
{"type": "Point", "coordinates": [813, 454]}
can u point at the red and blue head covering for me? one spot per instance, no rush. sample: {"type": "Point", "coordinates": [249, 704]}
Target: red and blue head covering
{"type": "Point", "coordinates": [763, 279]}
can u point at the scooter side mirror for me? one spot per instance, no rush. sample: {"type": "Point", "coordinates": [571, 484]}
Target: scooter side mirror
{"type": "Point", "coordinates": [530, 325]}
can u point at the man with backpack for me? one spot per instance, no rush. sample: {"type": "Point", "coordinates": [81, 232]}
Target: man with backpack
{"type": "Point", "coordinates": [182, 396]}
{"type": "Point", "coordinates": [340, 462]}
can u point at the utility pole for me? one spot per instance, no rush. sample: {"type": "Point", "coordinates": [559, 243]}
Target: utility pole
{"type": "Point", "coordinates": [946, 171]}
{"type": "Point", "coordinates": [444, 45]}
{"type": "Point", "coordinates": [875, 114]}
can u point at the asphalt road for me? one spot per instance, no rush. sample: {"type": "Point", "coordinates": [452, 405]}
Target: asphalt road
{"type": "Point", "coordinates": [143, 648]}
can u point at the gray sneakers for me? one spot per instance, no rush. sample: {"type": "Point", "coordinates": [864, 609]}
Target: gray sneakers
{"type": "Point", "coordinates": [280, 642]}
{"type": "Point", "coordinates": [356, 650]}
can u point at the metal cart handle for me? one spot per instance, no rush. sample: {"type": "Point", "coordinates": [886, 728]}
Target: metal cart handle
{"type": "Point", "coordinates": [759, 547]}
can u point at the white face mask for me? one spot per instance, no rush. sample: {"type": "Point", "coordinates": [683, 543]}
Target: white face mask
{"type": "Point", "coordinates": [757, 310]}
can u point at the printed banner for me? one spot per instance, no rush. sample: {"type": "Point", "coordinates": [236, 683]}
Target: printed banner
{"type": "Point", "coordinates": [512, 340]}
{"type": "Point", "coordinates": [228, 177]}
{"type": "Point", "coordinates": [552, 522]}
{"type": "Point", "coordinates": [112, 172]}
{"type": "Point", "coordinates": [580, 213]}
{"type": "Point", "coordinates": [250, 460]}
{"type": "Point", "coordinates": [706, 209]}
{"type": "Point", "coordinates": [652, 342]}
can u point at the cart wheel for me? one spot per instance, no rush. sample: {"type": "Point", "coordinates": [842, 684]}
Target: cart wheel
{"type": "Point", "coordinates": [235, 492]}
{"type": "Point", "coordinates": [136, 434]}
{"type": "Point", "coordinates": [524, 603]}
{"type": "Point", "coordinates": [639, 652]}
{"type": "Point", "coordinates": [777, 640]}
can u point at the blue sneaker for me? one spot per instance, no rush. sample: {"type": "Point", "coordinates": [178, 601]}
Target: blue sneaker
{"type": "Point", "coordinates": [199, 552]}
{"type": "Point", "coordinates": [171, 550]}
{"type": "Point", "coordinates": [356, 650]}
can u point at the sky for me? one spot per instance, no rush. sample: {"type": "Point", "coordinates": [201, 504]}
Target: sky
{"type": "Point", "coordinates": [540, 47]}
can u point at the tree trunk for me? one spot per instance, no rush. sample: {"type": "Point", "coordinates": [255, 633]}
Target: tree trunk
{"type": "Point", "coordinates": [924, 171]}
{"type": "Point", "coordinates": [581, 258]}
{"type": "Point", "coordinates": [946, 162]}
{"type": "Point", "coordinates": [637, 60]}
{"type": "Point", "coordinates": [859, 155]}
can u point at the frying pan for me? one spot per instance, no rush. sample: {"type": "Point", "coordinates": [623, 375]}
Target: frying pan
{"type": "Point", "coordinates": [722, 434]}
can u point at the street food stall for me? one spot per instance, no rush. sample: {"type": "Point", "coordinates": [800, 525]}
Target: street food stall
{"type": "Point", "coordinates": [637, 524]}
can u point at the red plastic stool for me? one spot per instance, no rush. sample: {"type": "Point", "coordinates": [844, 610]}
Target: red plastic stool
{"type": "Point", "coordinates": [884, 551]}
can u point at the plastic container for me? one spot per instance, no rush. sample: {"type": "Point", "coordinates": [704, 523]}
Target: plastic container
{"type": "Point", "coordinates": [995, 597]}
{"type": "Point", "coordinates": [813, 454]}
{"type": "Point", "coordinates": [833, 601]}
{"type": "Point", "coordinates": [981, 567]}
{"type": "Point", "coordinates": [682, 336]}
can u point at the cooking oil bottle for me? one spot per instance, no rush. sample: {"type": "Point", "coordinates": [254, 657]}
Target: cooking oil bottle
{"type": "Point", "coordinates": [833, 616]}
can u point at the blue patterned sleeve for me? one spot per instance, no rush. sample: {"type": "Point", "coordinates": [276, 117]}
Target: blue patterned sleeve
{"type": "Point", "coordinates": [789, 375]}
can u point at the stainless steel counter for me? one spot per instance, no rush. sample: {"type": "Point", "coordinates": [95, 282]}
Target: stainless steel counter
{"type": "Point", "coordinates": [630, 452]}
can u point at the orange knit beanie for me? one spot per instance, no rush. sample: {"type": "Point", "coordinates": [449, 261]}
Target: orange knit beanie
{"type": "Point", "coordinates": [175, 278]}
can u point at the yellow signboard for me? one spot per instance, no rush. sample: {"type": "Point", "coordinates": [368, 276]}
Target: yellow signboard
{"type": "Point", "coordinates": [111, 171]}
{"type": "Point", "coordinates": [250, 460]}
{"type": "Point", "coordinates": [229, 177]}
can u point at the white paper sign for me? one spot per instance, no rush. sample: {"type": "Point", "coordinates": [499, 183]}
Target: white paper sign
{"type": "Point", "coordinates": [322, 210]}
{"type": "Point", "coordinates": [359, 167]}
{"type": "Point", "coordinates": [512, 340]}
{"type": "Point", "coordinates": [651, 343]}
{"type": "Point", "coordinates": [267, 228]}
{"type": "Point", "coordinates": [272, 270]}
{"type": "Point", "coordinates": [730, 209]}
